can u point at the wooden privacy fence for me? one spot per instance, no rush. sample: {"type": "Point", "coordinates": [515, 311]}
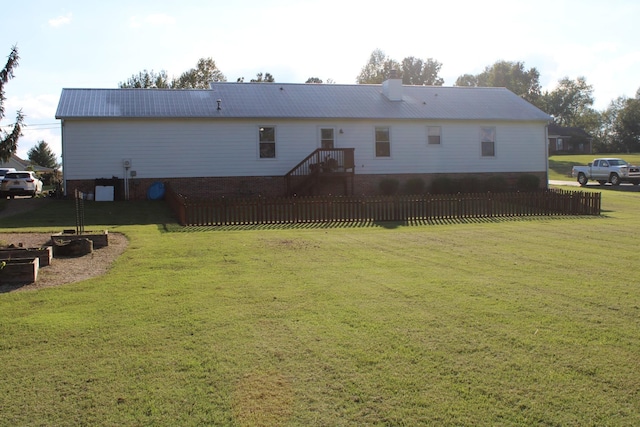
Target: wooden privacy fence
{"type": "Point", "coordinates": [428, 207]}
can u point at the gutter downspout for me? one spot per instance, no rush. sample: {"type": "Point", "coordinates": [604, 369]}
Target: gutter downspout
{"type": "Point", "coordinates": [64, 172]}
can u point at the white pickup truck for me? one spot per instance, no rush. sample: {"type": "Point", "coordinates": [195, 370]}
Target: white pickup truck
{"type": "Point", "coordinates": [605, 170]}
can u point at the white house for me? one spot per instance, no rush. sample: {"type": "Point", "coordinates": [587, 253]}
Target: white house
{"type": "Point", "coordinates": [243, 138]}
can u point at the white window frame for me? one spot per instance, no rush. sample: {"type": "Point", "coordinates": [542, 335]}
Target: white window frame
{"type": "Point", "coordinates": [429, 135]}
{"type": "Point", "coordinates": [321, 139]}
{"type": "Point", "coordinates": [261, 142]}
{"type": "Point", "coordinates": [488, 135]}
{"type": "Point", "coordinates": [375, 141]}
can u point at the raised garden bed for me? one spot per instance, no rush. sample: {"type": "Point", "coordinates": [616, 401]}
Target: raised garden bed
{"type": "Point", "coordinates": [44, 254]}
{"type": "Point", "coordinates": [18, 271]}
{"type": "Point", "coordinates": [100, 239]}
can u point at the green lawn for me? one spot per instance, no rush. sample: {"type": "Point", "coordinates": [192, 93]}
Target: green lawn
{"type": "Point", "coordinates": [489, 322]}
{"type": "Point", "coordinates": [560, 166]}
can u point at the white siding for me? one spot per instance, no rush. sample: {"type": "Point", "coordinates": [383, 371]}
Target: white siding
{"type": "Point", "coordinates": [201, 147]}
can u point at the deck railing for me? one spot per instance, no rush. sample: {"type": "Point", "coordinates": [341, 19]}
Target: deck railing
{"type": "Point", "coordinates": [322, 209]}
{"type": "Point", "coordinates": [321, 161]}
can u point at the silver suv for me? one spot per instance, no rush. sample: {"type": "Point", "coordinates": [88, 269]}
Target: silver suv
{"type": "Point", "coordinates": [20, 183]}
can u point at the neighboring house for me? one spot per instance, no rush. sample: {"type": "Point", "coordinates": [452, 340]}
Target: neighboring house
{"type": "Point", "coordinates": [15, 162]}
{"type": "Point", "coordinates": [568, 140]}
{"type": "Point", "coordinates": [22, 165]}
{"type": "Point", "coordinates": [243, 138]}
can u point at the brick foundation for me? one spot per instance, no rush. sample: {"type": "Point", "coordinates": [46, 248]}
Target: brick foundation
{"type": "Point", "coordinates": [207, 187]}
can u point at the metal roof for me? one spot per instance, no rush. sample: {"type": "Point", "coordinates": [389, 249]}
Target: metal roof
{"type": "Point", "coordinates": [309, 101]}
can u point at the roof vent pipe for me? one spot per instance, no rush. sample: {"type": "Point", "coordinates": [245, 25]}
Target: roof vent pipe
{"type": "Point", "coordinates": [219, 102]}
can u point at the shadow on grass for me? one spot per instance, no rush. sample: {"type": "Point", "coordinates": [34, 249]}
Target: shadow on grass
{"type": "Point", "coordinates": [389, 225]}
{"type": "Point", "coordinates": [62, 214]}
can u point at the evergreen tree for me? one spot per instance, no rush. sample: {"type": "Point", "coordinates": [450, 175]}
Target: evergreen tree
{"type": "Point", "coordinates": [9, 140]}
{"type": "Point", "coordinates": [42, 155]}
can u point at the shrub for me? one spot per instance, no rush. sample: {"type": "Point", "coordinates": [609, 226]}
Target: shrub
{"type": "Point", "coordinates": [388, 186]}
{"type": "Point", "coordinates": [469, 184]}
{"type": "Point", "coordinates": [442, 185]}
{"type": "Point", "coordinates": [414, 186]}
{"type": "Point", "coordinates": [496, 184]}
{"type": "Point", "coordinates": [528, 183]}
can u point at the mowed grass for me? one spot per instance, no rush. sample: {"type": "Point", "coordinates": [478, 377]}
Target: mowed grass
{"type": "Point", "coordinates": [560, 166]}
{"type": "Point", "coordinates": [530, 321]}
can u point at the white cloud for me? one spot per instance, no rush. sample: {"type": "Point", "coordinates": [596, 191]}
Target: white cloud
{"type": "Point", "coordinates": [61, 20]}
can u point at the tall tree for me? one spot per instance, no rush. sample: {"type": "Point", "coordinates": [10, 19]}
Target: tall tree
{"type": "Point", "coordinates": [607, 143]}
{"type": "Point", "coordinates": [626, 125]}
{"type": "Point", "coordinates": [378, 69]}
{"type": "Point", "coordinates": [206, 71]}
{"type": "Point", "coordinates": [314, 80]}
{"type": "Point", "coordinates": [419, 73]}
{"type": "Point", "coordinates": [512, 75]}
{"type": "Point", "coordinates": [468, 80]}
{"type": "Point", "coordinates": [412, 70]}
{"type": "Point", "coordinates": [569, 102]}
{"type": "Point", "coordinates": [42, 155]}
{"type": "Point", "coordinates": [9, 140]}
{"type": "Point", "coordinates": [147, 80]}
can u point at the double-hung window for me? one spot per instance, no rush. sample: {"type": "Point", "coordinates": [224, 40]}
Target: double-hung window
{"type": "Point", "coordinates": [383, 142]}
{"type": "Point", "coordinates": [433, 135]}
{"type": "Point", "coordinates": [267, 144]}
{"type": "Point", "coordinates": [488, 141]}
{"type": "Point", "coordinates": [326, 138]}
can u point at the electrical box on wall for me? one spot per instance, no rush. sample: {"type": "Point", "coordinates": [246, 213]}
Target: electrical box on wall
{"type": "Point", "coordinates": [126, 163]}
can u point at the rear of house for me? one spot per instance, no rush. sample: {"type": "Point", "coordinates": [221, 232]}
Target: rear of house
{"type": "Point", "coordinates": [249, 138]}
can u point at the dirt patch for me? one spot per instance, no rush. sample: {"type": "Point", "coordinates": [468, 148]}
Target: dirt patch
{"type": "Point", "coordinates": [64, 270]}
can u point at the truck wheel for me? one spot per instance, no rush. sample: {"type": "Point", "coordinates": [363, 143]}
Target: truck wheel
{"type": "Point", "coordinates": [614, 179]}
{"type": "Point", "coordinates": [582, 179]}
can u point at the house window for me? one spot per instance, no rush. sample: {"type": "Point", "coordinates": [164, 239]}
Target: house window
{"type": "Point", "coordinates": [267, 142]}
{"type": "Point", "coordinates": [326, 138]}
{"type": "Point", "coordinates": [559, 144]}
{"type": "Point", "coordinates": [433, 135]}
{"type": "Point", "coordinates": [383, 142]}
{"type": "Point", "coordinates": [488, 141]}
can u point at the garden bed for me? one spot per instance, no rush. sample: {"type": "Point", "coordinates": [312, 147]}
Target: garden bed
{"type": "Point", "coordinates": [17, 271]}
{"type": "Point", "coordinates": [44, 254]}
{"type": "Point", "coordinates": [100, 239]}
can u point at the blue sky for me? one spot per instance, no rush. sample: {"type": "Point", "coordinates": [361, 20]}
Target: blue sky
{"type": "Point", "coordinates": [97, 44]}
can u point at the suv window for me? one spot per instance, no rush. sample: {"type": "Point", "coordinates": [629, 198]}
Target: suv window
{"type": "Point", "coordinates": [17, 175]}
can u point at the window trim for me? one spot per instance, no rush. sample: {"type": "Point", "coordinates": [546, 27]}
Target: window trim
{"type": "Point", "coordinates": [434, 144]}
{"type": "Point", "coordinates": [320, 139]}
{"type": "Point", "coordinates": [484, 132]}
{"type": "Point", "coordinates": [274, 142]}
{"type": "Point", "coordinates": [375, 141]}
